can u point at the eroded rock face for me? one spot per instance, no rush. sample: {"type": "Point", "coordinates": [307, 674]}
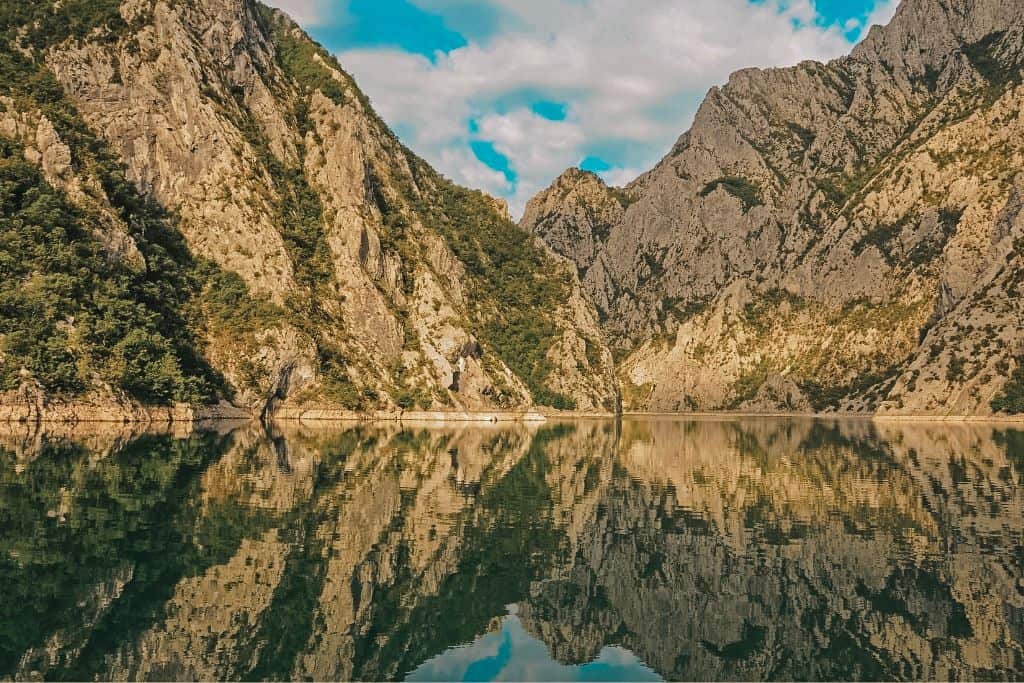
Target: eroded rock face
{"type": "Point", "coordinates": [274, 167]}
{"type": "Point", "coordinates": [575, 216]}
{"type": "Point", "coordinates": [838, 235]}
{"type": "Point", "coordinates": [165, 98]}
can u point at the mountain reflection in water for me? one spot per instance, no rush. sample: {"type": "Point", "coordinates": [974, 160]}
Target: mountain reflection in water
{"type": "Point", "coordinates": [680, 549]}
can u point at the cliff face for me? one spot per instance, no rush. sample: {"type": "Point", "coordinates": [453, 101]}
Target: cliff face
{"type": "Point", "coordinates": [842, 235]}
{"type": "Point", "coordinates": [328, 264]}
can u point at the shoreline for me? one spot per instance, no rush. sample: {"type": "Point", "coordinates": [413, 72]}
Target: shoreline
{"type": "Point", "coordinates": [133, 414]}
{"type": "Point", "coordinates": [86, 412]}
{"type": "Point", "coordinates": [868, 417]}
{"type": "Point", "coordinates": [415, 416]}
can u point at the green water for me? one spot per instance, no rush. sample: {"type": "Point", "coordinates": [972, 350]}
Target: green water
{"type": "Point", "coordinates": [640, 550]}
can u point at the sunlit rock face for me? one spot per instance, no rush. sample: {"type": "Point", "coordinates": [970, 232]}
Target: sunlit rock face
{"type": "Point", "coordinates": [713, 549]}
{"type": "Point", "coordinates": [841, 235]}
{"type": "Point", "coordinates": [372, 281]}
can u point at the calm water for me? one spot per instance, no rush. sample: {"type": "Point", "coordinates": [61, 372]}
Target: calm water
{"type": "Point", "coordinates": [646, 550]}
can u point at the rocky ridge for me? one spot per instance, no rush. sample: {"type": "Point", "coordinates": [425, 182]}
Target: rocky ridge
{"type": "Point", "coordinates": [842, 236]}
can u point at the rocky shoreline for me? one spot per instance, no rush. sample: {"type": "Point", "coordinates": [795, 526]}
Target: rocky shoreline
{"type": "Point", "coordinates": [26, 408]}
{"type": "Point", "coordinates": [61, 412]}
{"type": "Point", "coordinates": [55, 411]}
{"type": "Point", "coordinates": [323, 414]}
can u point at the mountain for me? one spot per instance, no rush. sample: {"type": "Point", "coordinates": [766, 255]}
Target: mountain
{"type": "Point", "coordinates": [842, 236]}
{"type": "Point", "coordinates": [199, 205]}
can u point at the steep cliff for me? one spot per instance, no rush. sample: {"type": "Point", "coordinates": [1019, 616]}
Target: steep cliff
{"type": "Point", "coordinates": [827, 236]}
{"type": "Point", "coordinates": [273, 240]}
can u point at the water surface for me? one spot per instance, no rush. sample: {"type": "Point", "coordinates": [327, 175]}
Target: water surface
{"type": "Point", "coordinates": [640, 550]}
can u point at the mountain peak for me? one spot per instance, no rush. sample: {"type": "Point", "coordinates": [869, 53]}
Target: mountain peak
{"type": "Point", "coordinates": [575, 215]}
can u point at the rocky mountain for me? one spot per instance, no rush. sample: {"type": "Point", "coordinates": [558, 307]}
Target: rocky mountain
{"type": "Point", "coordinates": [576, 215]}
{"type": "Point", "coordinates": [842, 236]}
{"type": "Point", "coordinates": [199, 205]}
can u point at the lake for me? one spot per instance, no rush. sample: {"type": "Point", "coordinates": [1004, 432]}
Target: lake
{"type": "Point", "coordinates": [645, 549]}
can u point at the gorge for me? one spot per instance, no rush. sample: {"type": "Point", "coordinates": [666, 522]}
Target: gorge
{"type": "Point", "coordinates": [199, 207]}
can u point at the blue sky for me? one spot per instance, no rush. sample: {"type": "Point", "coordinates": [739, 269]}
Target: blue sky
{"type": "Point", "coordinates": [512, 654]}
{"type": "Point", "coordinates": [503, 95]}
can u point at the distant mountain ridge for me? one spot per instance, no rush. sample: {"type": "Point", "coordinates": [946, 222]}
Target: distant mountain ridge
{"type": "Point", "coordinates": [842, 236]}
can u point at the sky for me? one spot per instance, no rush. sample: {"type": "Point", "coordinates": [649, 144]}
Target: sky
{"type": "Point", "coordinates": [512, 654]}
{"type": "Point", "coordinates": [505, 95]}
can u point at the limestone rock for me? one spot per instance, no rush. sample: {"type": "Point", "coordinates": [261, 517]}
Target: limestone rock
{"type": "Point", "coordinates": [575, 215]}
{"type": "Point", "coordinates": [273, 165]}
{"type": "Point", "coordinates": [864, 208]}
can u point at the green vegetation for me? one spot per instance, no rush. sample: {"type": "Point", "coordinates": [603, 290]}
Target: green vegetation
{"type": "Point", "coordinates": [932, 247]}
{"type": "Point", "coordinates": [309, 64]}
{"type": "Point", "coordinates": [955, 370]}
{"type": "Point", "coordinates": [227, 304]}
{"type": "Point", "coordinates": [48, 22]}
{"type": "Point", "coordinates": [835, 193]}
{"type": "Point", "coordinates": [624, 198]}
{"type": "Point", "coordinates": [298, 211]}
{"type": "Point", "coordinates": [338, 387]}
{"type": "Point", "coordinates": [673, 305]}
{"type": "Point", "coordinates": [830, 396]}
{"type": "Point", "coordinates": [655, 268]}
{"type": "Point", "coordinates": [763, 311]}
{"type": "Point", "coordinates": [1011, 399]}
{"type": "Point", "coordinates": [747, 192]}
{"type": "Point", "coordinates": [984, 56]}
{"type": "Point", "coordinates": [230, 317]}
{"type": "Point", "coordinates": [516, 286]}
{"type": "Point", "coordinates": [879, 237]}
{"type": "Point", "coordinates": [299, 219]}
{"type": "Point", "coordinates": [750, 381]}
{"type": "Point", "coordinates": [69, 313]}
{"type": "Point", "coordinates": [804, 135]}
{"type": "Point", "coordinates": [882, 237]}
{"type": "Point", "coordinates": [302, 59]}
{"type": "Point", "coordinates": [931, 77]}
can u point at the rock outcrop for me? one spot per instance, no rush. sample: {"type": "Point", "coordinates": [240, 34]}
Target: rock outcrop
{"type": "Point", "coordinates": [841, 236]}
{"type": "Point", "coordinates": [575, 215]}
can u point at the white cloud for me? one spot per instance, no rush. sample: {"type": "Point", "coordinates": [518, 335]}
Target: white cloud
{"type": "Point", "coordinates": [459, 162]}
{"type": "Point", "coordinates": [618, 177]}
{"type": "Point", "coordinates": [537, 148]}
{"type": "Point", "coordinates": [628, 71]}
